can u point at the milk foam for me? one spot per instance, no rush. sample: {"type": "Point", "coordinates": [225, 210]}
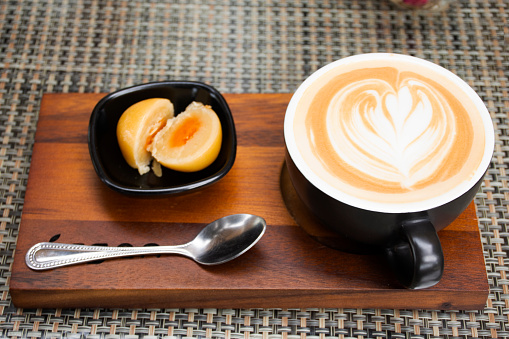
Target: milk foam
{"type": "Point", "coordinates": [388, 131]}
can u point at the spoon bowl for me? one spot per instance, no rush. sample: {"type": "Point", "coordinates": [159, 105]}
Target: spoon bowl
{"type": "Point", "coordinates": [220, 241]}
{"type": "Point", "coordinates": [226, 239]}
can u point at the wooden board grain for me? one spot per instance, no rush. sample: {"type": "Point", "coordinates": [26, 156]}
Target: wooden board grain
{"type": "Point", "coordinates": [65, 199]}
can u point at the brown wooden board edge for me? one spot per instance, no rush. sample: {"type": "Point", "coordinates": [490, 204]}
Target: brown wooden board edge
{"type": "Point", "coordinates": [248, 298]}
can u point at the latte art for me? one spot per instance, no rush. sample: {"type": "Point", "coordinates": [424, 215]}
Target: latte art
{"type": "Point", "coordinates": [400, 135]}
{"type": "Point", "coordinates": [389, 134]}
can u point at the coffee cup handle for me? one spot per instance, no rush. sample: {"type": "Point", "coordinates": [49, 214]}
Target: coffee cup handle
{"type": "Point", "coordinates": [417, 259]}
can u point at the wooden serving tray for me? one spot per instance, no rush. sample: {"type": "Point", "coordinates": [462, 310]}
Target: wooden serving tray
{"type": "Point", "coordinates": [286, 269]}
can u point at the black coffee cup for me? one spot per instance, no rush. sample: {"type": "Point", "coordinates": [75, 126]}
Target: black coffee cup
{"type": "Point", "coordinates": [405, 233]}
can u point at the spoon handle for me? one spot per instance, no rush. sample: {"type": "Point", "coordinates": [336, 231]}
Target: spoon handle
{"type": "Point", "coordinates": [48, 255]}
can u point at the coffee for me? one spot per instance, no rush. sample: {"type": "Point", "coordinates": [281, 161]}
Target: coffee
{"type": "Point", "coordinates": [389, 130]}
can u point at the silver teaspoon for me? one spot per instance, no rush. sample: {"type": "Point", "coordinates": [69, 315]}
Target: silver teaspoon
{"type": "Point", "coordinates": [220, 241]}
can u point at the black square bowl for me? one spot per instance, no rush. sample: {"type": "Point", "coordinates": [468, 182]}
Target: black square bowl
{"type": "Point", "coordinates": [107, 158]}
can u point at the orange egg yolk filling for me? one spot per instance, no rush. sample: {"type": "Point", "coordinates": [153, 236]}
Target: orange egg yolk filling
{"type": "Point", "coordinates": [185, 132]}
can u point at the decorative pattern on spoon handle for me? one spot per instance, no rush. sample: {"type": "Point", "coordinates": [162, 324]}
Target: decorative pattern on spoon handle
{"type": "Point", "coordinates": [45, 256]}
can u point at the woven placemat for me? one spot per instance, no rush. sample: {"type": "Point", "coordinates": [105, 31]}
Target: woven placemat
{"type": "Point", "coordinates": [258, 46]}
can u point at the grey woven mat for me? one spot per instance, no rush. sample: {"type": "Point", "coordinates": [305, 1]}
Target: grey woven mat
{"type": "Point", "coordinates": [241, 46]}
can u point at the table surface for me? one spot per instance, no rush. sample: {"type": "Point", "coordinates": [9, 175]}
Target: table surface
{"type": "Point", "coordinates": [257, 46]}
